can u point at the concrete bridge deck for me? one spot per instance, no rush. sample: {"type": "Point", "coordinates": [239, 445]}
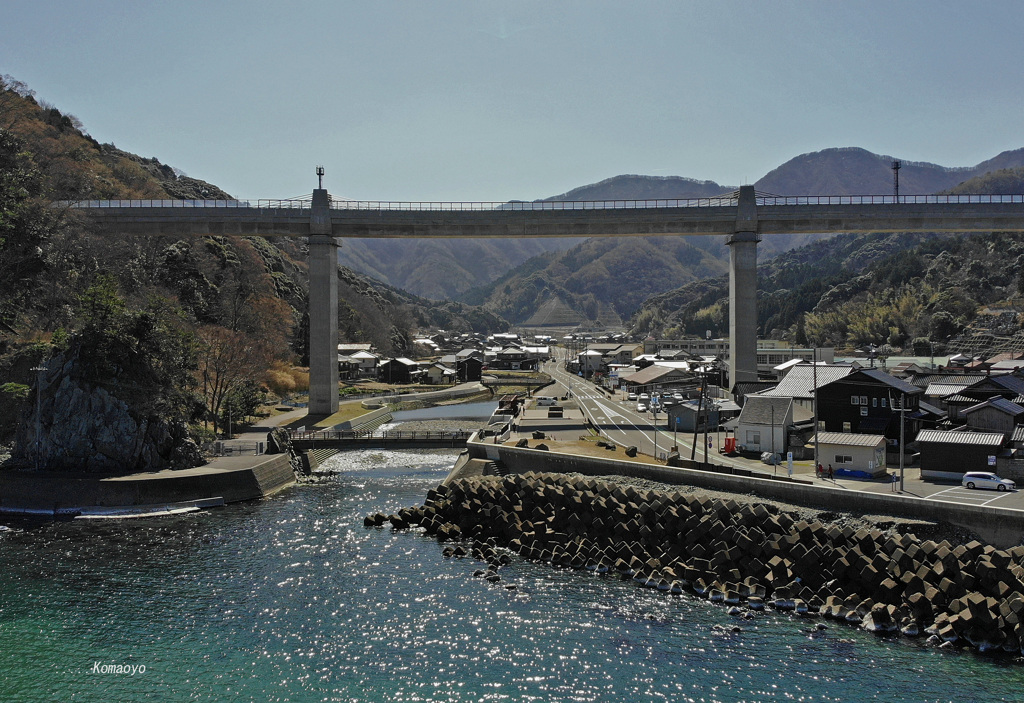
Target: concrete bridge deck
{"type": "Point", "coordinates": [774, 215]}
{"type": "Point", "coordinates": [743, 217]}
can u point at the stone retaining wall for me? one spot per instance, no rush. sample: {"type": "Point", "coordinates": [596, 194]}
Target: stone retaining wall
{"type": "Point", "coordinates": [748, 555]}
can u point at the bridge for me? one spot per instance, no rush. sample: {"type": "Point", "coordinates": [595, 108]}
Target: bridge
{"type": "Point", "coordinates": [743, 217]}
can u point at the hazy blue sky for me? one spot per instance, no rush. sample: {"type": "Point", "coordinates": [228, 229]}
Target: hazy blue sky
{"type": "Point", "coordinates": [486, 100]}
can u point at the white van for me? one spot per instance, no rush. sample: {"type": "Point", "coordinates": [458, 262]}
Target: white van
{"type": "Point", "coordinates": [546, 400]}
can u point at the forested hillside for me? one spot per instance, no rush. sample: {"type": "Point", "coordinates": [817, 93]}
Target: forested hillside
{"type": "Point", "coordinates": [854, 290]}
{"type": "Point", "coordinates": [237, 304]}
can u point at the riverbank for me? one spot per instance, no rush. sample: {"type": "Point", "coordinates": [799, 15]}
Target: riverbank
{"type": "Point", "coordinates": [747, 554]}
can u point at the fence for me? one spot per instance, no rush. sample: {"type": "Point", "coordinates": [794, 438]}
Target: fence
{"type": "Point", "coordinates": [235, 448]}
{"type": "Point", "coordinates": [353, 435]}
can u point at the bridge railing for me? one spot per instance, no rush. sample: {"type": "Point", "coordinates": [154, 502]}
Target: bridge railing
{"type": "Point", "coordinates": [515, 206]}
{"type": "Point", "coordinates": [294, 204]}
{"type": "Point", "coordinates": [343, 435]}
{"type": "Point", "coordinates": [885, 199]}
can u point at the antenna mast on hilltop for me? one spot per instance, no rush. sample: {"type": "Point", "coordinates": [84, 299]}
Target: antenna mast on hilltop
{"type": "Point", "coordinates": [896, 180]}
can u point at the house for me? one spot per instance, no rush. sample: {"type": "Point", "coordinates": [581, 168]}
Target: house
{"type": "Point", "coordinates": [763, 424]}
{"type": "Point", "coordinates": [656, 375]}
{"type": "Point", "coordinates": [400, 370]}
{"type": "Point", "coordinates": [938, 387]}
{"type": "Point", "coordinates": [367, 363]}
{"type": "Point", "coordinates": [801, 380]}
{"type": "Point", "coordinates": [994, 415]}
{"type": "Point", "coordinates": [590, 362]}
{"type": "Point", "coordinates": [348, 349]}
{"type": "Point", "coordinates": [513, 359]}
{"type": "Point", "coordinates": [949, 454]}
{"type": "Point", "coordinates": [438, 374]}
{"type": "Point", "coordinates": [348, 367]}
{"type": "Point", "coordinates": [742, 389]}
{"type": "Point", "coordinates": [857, 455]}
{"type": "Point", "coordinates": [863, 403]}
{"type": "Point", "coordinates": [683, 417]}
{"type": "Point", "coordinates": [469, 369]}
{"type": "Point", "coordinates": [1009, 386]}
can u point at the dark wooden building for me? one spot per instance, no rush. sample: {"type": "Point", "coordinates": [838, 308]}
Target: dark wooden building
{"type": "Point", "coordinates": [863, 403]}
{"type": "Point", "coordinates": [398, 370]}
{"type": "Point", "coordinates": [1008, 386]}
{"type": "Point", "coordinates": [469, 369]}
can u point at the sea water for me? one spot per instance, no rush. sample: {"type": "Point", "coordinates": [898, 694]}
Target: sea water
{"type": "Point", "coordinates": [291, 599]}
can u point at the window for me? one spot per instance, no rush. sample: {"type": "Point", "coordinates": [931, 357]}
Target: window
{"type": "Point", "coordinates": [883, 402]}
{"type": "Point", "coordinates": [874, 402]}
{"type": "Point", "coordinates": [754, 437]}
{"type": "Point", "coordinates": [863, 411]}
{"type": "Point", "coordinates": [854, 400]}
{"type": "Point", "coordinates": [844, 459]}
{"type": "Point", "coordinates": [863, 400]}
{"type": "Point", "coordinates": [846, 428]}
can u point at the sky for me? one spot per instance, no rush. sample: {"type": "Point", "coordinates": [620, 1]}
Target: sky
{"type": "Point", "coordinates": [491, 101]}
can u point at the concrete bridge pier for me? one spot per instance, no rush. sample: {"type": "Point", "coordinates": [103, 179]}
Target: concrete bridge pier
{"type": "Point", "coordinates": [323, 309]}
{"type": "Point", "coordinates": [743, 290]}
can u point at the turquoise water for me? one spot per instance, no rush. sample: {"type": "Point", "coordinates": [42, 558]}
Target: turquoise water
{"type": "Point", "coordinates": [292, 599]}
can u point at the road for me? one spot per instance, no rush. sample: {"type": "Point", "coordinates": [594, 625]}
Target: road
{"type": "Point", "coordinates": [619, 422]}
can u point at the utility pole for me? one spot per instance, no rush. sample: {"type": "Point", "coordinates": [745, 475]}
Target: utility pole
{"type": "Point", "coordinates": [814, 401]}
{"type": "Point", "coordinates": [696, 422]}
{"type": "Point", "coordinates": [39, 369]}
{"type": "Point", "coordinates": [903, 429]}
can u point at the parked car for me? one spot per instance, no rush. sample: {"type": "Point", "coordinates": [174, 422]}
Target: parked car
{"type": "Point", "coordinates": [984, 479]}
{"type": "Point", "coordinates": [641, 408]}
{"type": "Point", "coordinates": [644, 397]}
{"type": "Point", "coordinates": [631, 396]}
{"type": "Point", "coordinates": [771, 459]}
{"type": "Point", "coordinates": [678, 397]}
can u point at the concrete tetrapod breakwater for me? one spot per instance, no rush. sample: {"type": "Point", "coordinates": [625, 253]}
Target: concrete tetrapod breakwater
{"type": "Point", "coordinates": [749, 554]}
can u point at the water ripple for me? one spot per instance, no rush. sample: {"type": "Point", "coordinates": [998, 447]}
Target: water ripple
{"type": "Point", "coordinates": [292, 599]}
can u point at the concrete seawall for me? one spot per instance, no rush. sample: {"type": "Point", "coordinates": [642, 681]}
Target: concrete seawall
{"type": "Point", "coordinates": [998, 526]}
{"type": "Point", "coordinates": [233, 480]}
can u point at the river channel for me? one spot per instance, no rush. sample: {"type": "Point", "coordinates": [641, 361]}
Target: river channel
{"type": "Point", "coordinates": [292, 599]}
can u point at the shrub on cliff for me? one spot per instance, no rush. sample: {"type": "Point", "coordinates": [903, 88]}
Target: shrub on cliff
{"type": "Point", "coordinates": [119, 396]}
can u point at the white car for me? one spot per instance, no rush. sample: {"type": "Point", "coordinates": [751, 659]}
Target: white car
{"type": "Point", "coordinates": [984, 479]}
{"type": "Point", "coordinates": [644, 397]}
{"type": "Point", "coordinates": [631, 396]}
{"type": "Point", "coordinates": [641, 408]}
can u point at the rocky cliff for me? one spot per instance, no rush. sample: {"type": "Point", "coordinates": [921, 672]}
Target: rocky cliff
{"type": "Point", "coordinates": [86, 427]}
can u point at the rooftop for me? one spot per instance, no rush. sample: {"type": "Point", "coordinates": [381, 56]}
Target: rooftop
{"type": "Point", "coordinates": [850, 440]}
{"type": "Point", "coordinates": [799, 382]}
{"type": "Point", "coordinates": [988, 439]}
